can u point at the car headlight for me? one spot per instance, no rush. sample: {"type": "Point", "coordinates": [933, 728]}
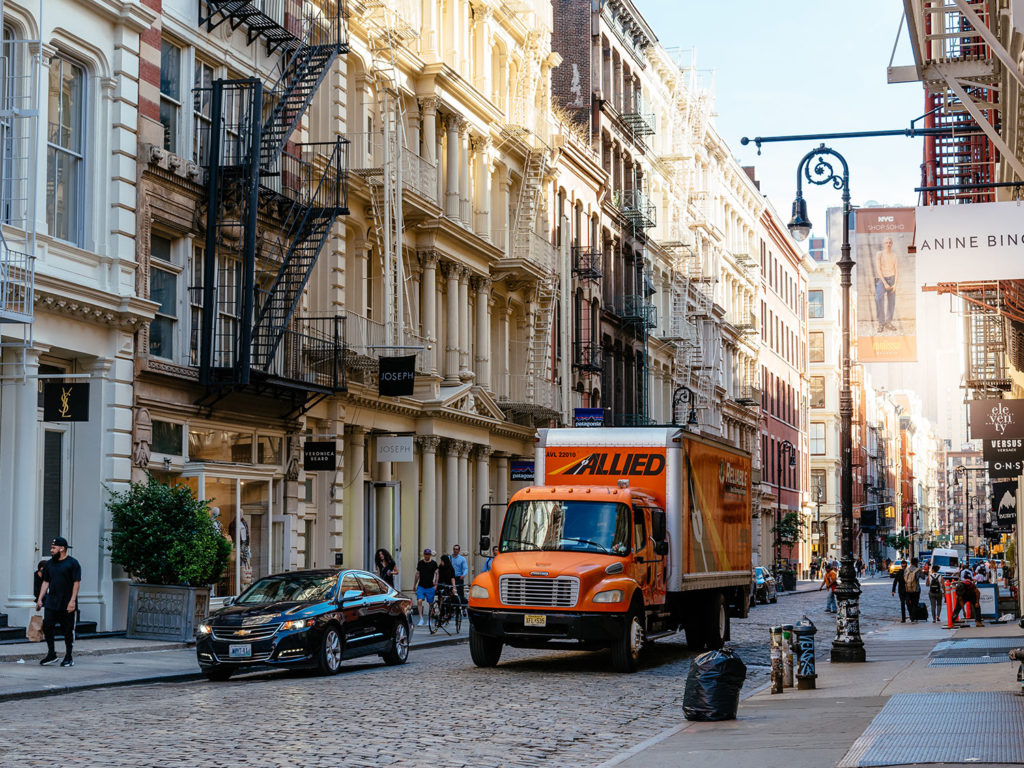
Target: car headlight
{"type": "Point", "coordinates": [297, 624]}
{"type": "Point", "coordinates": [204, 629]}
{"type": "Point", "coordinates": [480, 593]}
{"type": "Point", "coordinates": [609, 596]}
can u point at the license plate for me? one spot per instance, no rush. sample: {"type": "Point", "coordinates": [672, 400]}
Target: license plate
{"type": "Point", "coordinates": [535, 620]}
{"type": "Point", "coordinates": [239, 651]}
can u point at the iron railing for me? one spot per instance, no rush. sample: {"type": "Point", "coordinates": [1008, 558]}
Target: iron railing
{"type": "Point", "coordinates": [311, 353]}
{"type": "Point", "coordinates": [17, 271]}
{"type": "Point", "coordinates": [587, 262]}
{"type": "Point", "coordinates": [587, 356]}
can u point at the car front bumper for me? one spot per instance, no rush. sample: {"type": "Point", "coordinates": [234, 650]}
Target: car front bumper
{"type": "Point", "coordinates": [297, 648]}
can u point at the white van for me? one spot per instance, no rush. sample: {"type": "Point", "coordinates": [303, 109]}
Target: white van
{"type": "Point", "coordinates": [947, 560]}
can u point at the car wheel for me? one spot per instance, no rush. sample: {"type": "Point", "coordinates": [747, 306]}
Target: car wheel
{"type": "Point", "coordinates": [218, 674]}
{"type": "Point", "coordinates": [716, 622]}
{"type": "Point", "coordinates": [330, 651]}
{"type": "Point", "coordinates": [626, 650]}
{"type": "Point", "coordinates": [398, 653]}
{"type": "Point", "coordinates": [486, 651]}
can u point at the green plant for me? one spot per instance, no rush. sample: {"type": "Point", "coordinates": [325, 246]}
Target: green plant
{"type": "Point", "coordinates": [898, 541]}
{"type": "Point", "coordinates": [789, 529]}
{"type": "Point", "coordinates": [163, 534]}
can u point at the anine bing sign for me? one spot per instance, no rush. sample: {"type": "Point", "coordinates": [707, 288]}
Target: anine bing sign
{"type": "Point", "coordinates": [65, 402]}
{"type": "Point", "coordinates": [996, 419]}
{"type": "Point", "coordinates": [394, 448]}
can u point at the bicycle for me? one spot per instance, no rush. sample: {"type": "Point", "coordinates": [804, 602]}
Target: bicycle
{"type": "Point", "coordinates": [445, 609]}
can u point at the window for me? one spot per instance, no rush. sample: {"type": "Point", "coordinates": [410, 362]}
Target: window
{"type": "Point", "coordinates": [816, 346]}
{"type": "Point", "coordinates": [65, 151]}
{"type": "Point", "coordinates": [818, 482]}
{"type": "Point", "coordinates": [167, 438]}
{"type": "Point", "coordinates": [817, 392]}
{"type": "Point", "coordinates": [170, 94]}
{"type": "Point", "coordinates": [201, 96]}
{"type": "Point", "coordinates": [163, 289]}
{"type": "Point", "coordinates": [817, 435]}
{"type": "Point", "coordinates": [8, 139]}
{"type": "Point", "coordinates": [195, 303]}
{"type": "Point", "coordinates": [816, 304]}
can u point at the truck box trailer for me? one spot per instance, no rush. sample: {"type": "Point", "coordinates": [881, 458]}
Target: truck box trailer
{"type": "Point", "coordinates": [629, 534]}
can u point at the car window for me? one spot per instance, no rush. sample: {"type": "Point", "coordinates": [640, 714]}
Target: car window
{"type": "Point", "coordinates": [349, 581]}
{"type": "Point", "coordinates": [370, 585]}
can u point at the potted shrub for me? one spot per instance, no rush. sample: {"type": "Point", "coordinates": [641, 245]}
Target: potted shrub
{"type": "Point", "coordinates": [166, 541]}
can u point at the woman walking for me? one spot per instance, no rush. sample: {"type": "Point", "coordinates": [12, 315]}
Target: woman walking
{"type": "Point", "coordinates": [387, 568]}
{"type": "Point", "coordinates": [935, 593]}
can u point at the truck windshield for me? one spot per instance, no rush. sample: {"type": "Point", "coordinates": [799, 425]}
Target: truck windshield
{"type": "Point", "coordinates": [573, 526]}
{"type": "Point", "coordinates": [944, 561]}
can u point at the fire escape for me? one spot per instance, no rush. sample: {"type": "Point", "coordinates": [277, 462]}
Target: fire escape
{"type": "Point", "coordinates": [587, 355]}
{"type": "Point", "coordinates": [19, 118]}
{"type": "Point", "coordinates": [253, 333]}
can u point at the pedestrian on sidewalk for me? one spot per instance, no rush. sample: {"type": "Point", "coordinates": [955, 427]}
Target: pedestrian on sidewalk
{"type": "Point", "coordinates": [425, 584]}
{"type": "Point", "coordinates": [387, 568]}
{"type": "Point", "coordinates": [62, 578]}
{"type": "Point", "coordinates": [967, 593]}
{"type": "Point", "coordinates": [912, 587]}
{"type": "Point", "coordinates": [935, 593]}
{"type": "Point", "coordinates": [899, 585]}
{"type": "Point", "coordinates": [860, 568]}
{"type": "Point", "coordinates": [828, 581]}
{"type": "Point", "coordinates": [461, 571]}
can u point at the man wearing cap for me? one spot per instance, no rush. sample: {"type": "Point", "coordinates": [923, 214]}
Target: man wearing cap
{"type": "Point", "coordinates": [62, 578]}
{"type": "Point", "coordinates": [425, 583]}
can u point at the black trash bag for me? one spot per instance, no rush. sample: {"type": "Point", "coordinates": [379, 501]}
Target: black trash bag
{"type": "Point", "coordinates": [713, 686]}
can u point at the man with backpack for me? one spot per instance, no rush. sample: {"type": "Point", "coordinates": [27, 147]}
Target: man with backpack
{"type": "Point", "coordinates": [912, 588]}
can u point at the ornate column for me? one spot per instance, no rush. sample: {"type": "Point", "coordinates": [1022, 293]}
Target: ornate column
{"type": "Point", "coordinates": [428, 306]}
{"type": "Point", "coordinates": [506, 346]}
{"type": "Point", "coordinates": [451, 187]}
{"type": "Point", "coordinates": [355, 503]}
{"type": "Point", "coordinates": [482, 224]}
{"type": "Point", "coordinates": [428, 110]}
{"type": "Point", "coordinates": [506, 215]}
{"type": "Point", "coordinates": [465, 209]}
{"type": "Point", "coordinates": [428, 495]}
{"type": "Point", "coordinates": [483, 331]}
{"type": "Point", "coordinates": [449, 509]}
{"type": "Point", "coordinates": [462, 505]}
{"type": "Point", "coordinates": [483, 494]}
{"type": "Point", "coordinates": [465, 373]}
{"type": "Point", "coordinates": [451, 348]}
{"type": "Point", "coordinates": [501, 492]}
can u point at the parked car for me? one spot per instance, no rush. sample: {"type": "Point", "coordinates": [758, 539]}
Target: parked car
{"type": "Point", "coordinates": [312, 618]}
{"type": "Point", "coordinates": [764, 586]}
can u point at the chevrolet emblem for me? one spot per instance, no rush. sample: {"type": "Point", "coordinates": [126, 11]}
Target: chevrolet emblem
{"type": "Point", "coordinates": [241, 632]}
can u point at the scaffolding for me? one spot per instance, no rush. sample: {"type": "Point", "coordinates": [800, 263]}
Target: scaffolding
{"type": "Point", "coordinates": [19, 169]}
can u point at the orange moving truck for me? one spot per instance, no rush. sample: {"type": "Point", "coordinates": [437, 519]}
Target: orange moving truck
{"type": "Point", "coordinates": [634, 534]}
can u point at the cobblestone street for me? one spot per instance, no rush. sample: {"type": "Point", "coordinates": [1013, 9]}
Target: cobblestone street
{"type": "Point", "coordinates": [548, 709]}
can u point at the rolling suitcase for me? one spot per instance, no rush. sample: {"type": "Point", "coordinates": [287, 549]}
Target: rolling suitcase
{"type": "Point", "coordinates": [920, 612]}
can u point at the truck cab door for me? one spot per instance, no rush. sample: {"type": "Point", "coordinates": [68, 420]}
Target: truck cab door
{"type": "Point", "coordinates": [644, 560]}
{"type": "Point", "coordinates": [660, 566]}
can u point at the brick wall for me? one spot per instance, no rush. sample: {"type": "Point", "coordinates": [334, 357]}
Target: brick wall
{"type": "Point", "coordinates": [150, 130]}
{"type": "Point", "coordinates": [571, 82]}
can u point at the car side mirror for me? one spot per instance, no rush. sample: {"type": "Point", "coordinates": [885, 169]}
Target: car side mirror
{"type": "Point", "coordinates": [661, 548]}
{"type": "Point", "coordinates": [228, 601]}
{"type": "Point", "coordinates": [351, 594]}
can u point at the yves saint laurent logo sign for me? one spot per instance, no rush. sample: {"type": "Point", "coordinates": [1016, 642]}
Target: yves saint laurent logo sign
{"type": "Point", "coordinates": [996, 419]}
{"type": "Point", "coordinates": [65, 402]}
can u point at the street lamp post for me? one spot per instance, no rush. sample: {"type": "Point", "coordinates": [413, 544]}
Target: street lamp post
{"type": "Point", "coordinates": [961, 471]}
{"type": "Point", "coordinates": [684, 394]}
{"type": "Point", "coordinates": [817, 168]}
{"type": "Point", "coordinates": [785, 447]}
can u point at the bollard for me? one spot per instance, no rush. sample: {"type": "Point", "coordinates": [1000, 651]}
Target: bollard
{"type": "Point", "coordinates": [948, 591]}
{"type": "Point", "coordinates": [804, 633]}
{"type": "Point", "coordinates": [787, 655]}
{"type": "Point", "coordinates": [776, 656]}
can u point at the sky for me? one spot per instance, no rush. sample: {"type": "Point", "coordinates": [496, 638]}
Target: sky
{"type": "Point", "coordinates": [798, 67]}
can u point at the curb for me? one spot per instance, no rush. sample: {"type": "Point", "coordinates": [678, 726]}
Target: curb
{"type": "Point", "coordinates": [172, 678]}
{"type": "Point", "coordinates": [34, 656]}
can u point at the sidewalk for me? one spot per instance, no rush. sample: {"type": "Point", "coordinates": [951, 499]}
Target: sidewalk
{"type": "Point", "coordinates": [112, 661]}
{"type": "Point", "coordinates": [912, 672]}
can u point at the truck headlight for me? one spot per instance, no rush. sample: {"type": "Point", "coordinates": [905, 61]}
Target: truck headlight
{"type": "Point", "coordinates": [609, 596]}
{"type": "Point", "coordinates": [480, 593]}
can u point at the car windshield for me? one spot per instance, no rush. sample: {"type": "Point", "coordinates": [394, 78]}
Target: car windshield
{"type": "Point", "coordinates": [945, 561]}
{"type": "Point", "coordinates": [289, 587]}
{"type": "Point", "coordinates": [574, 526]}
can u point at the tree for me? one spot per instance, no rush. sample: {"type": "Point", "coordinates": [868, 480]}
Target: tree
{"type": "Point", "coordinates": [790, 529]}
{"type": "Point", "coordinates": [163, 534]}
{"type": "Point", "coordinates": [898, 541]}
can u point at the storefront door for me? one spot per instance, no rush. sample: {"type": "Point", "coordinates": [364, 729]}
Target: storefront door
{"type": "Point", "coordinates": [383, 522]}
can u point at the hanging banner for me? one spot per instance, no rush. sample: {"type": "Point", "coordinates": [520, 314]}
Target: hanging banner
{"type": "Point", "coordinates": [394, 448]}
{"type": "Point", "coordinates": [521, 471]}
{"type": "Point", "coordinates": [886, 285]}
{"type": "Point", "coordinates": [1007, 468]}
{"type": "Point", "coordinates": [1004, 503]}
{"type": "Point", "coordinates": [320, 456]}
{"type": "Point", "coordinates": [965, 243]}
{"type": "Point", "coordinates": [995, 419]}
{"type": "Point", "coordinates": [397, 376]}
{"type": "Point", "coordinates": [1003, 449]}
{"type": "Point", "coordinates": [65, 402]}
{"type": "Point", "coordinates": [588, 417]}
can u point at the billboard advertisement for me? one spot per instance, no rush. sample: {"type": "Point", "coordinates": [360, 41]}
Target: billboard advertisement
{"type": "Point", "coordinates": [886, 285]}
{"type": "Point", "coordinates": [965, 243]}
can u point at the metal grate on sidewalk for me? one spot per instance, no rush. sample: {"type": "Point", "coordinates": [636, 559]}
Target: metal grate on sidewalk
{"type": "Point", "coordinates": [987, 728]}
{"type": "Point", "coordinates": [956, 661]}
{"type": "Point", "coordinates": [979, 642]}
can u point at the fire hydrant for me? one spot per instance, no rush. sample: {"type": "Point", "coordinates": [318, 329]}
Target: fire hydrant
{"type": "Point", "coordinates": [787, 655]}
{"type": "Point", "coordinates": [804, 633]}
{"type": "Point", "coordinates": [776, 657]}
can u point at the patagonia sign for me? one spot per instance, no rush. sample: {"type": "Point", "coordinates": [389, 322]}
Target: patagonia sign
{"type": "Point", "coordinates": [608, 463]}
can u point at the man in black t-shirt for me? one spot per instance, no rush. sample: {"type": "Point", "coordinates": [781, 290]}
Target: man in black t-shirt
{"type": "Point", "coordinates": [62, 578]}
{"type": "Point", "coordinates": [425, 583]}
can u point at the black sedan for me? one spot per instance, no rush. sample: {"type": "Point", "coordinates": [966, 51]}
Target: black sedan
{"type": "Point", "coordinates": [764, 586]}
{"type": "Point", "coordinates": [311, 618]}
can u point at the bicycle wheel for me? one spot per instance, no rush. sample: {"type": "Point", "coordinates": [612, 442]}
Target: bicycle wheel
{"type": "Point", "coordinates": [457, 611]}
{"type": "Point", "coordinates": [433, 618]}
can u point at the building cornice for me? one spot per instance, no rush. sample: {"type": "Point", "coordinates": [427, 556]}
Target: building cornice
{"type": "Point", "coordinates": [85, 304]}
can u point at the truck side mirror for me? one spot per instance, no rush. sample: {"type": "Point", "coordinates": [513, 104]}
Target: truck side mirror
{"type": "Point", "coordinates": [485, 544]}
{"type": "Point", "coordinates": [485, 518]}
{"type": "Point", "coordinates": [661, 548]}
{"type": "Point", "coordinates": [658, 525]}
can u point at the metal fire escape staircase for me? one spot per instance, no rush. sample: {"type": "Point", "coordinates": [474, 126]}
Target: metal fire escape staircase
{"type": "Point", "coordinates": [19, 168]}
{"type": "Point", "coordinates": [249, 168]}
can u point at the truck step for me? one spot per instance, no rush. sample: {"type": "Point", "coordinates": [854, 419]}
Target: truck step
{"type": "Point", "coordinates": [659, 635]}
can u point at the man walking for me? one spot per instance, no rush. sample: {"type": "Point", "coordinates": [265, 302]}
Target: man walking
{"type": "Point", "coordinates": [62, 578]}
{"type": "Point", "coordinates": [899, 584]}
{"type": "Point", "coordinates": [461, 571]}
{"type": "Point", "coordinates": [424, 581]}
{"type": "Point", "coordinates": [828, 582]}
{"type": "Point", "coordinates": [912, 587]}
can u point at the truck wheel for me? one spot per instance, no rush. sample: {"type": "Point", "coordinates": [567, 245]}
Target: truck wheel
{"type": "Point", "coordinates": [694, 637]}
{"type": "Point", "coordinates": [716, 622]}
{"type": "Point", "coordinates": [626, 650]}
{"type": "Point", "coordinates": [486, 651]}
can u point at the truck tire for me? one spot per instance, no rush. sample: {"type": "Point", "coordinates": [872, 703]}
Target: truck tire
{"type": "Point", "coordinates": [626, 650]}
{"type": "Point", "coordinates": [486, 651]}
{"type": "Point", "coordinates": [716, 622]}
{"type": "Point", "coordinates": [694, 636]}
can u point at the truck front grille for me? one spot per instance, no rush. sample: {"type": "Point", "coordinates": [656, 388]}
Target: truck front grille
{"type": "Point", "coordinates": [561, 592]}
